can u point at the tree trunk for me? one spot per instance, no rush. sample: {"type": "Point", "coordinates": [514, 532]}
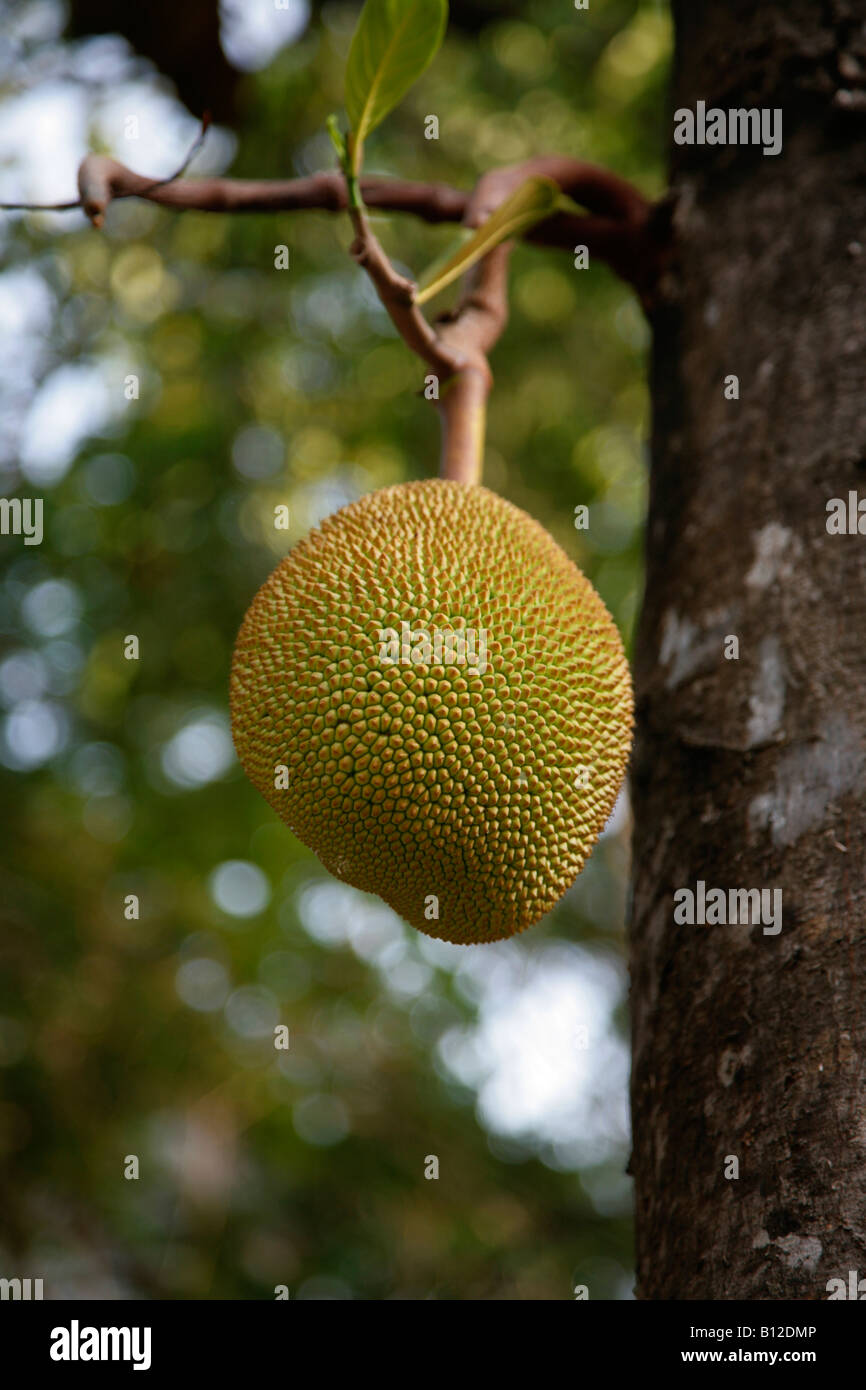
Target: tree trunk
{"type": "Point", "coordinates": [748, 772]}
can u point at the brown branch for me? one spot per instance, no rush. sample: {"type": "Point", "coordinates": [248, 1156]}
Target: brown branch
{"type": "Point", "coordinates": [472, 331]}
{"type": "Point", "coordinates": [457, 352]}
{"type": "Point", "coordinates": [41, 207]}
{"type": "Point", "coordinates": [191, 152]}
{"type": "Point", "coordinates": [621, 228]}
{"type": "Point", "coordinates": [594, 188]}
{"type": "Point", "coordinates": [621, 221]}
{"type": "Point", "coordinates": [398, 296]}
{"type": "Point", "coordinates": [105, 180]}
{"type": "Point", "coordinates": [458, 349]}
{"type": "Point", "coordinates": [95, 177]}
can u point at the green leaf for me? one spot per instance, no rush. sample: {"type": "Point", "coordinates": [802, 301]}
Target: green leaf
{"type": "Point", "coordinates": [394, 42]}
{"type": "Point", "coordinates": [532, 202]}
{"type": "Point", "coordinates": [341, 145]}
{"type": "Point", "coordinates": [566, 204]}
{"type": "Point", "coordinates": [338, 139]}
{"type": "Point", "coordinates": [455, 245]}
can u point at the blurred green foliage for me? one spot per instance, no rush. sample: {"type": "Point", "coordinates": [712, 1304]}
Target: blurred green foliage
{"type": "Point", "coordinates": [258, 387]}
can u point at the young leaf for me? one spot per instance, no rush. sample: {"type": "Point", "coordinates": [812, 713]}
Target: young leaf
{"type": "Point", "coordinates": [394, 42]}
{"type": "Point", "coordinates": [456, 242]}
{"type": "Point", "coordinates": [566, 204]}
{"type": "Point", "coordinates": [338, 139]}
{"type": "Point", "coordinates": [534, 200]}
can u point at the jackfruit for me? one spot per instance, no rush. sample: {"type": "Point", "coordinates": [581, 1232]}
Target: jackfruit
{"type": "Point", "coordinates": [436, 701]}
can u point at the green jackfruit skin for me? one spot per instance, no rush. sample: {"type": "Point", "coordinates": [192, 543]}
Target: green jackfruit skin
{"type": "Point", "coordinates": [423, 783]}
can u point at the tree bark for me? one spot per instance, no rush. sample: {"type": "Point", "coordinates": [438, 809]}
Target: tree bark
{"type": "Point", "coordinates": [748, 772]}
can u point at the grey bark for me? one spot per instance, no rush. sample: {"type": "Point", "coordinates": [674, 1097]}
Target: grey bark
{"type": "Point", "coordinates": [749, 773]}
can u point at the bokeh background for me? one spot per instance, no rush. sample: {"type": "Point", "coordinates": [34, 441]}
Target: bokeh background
{"type": "Point", "coordinates": [154, 1037]}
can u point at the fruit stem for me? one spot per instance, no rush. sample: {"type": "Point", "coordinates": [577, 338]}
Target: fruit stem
{"type": "Point", "coordinates": [463, 411]}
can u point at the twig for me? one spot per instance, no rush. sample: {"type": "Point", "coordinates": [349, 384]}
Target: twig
{"type": "Point", "coordinates": [398, 296]}
{"type": "Point", "coordinates": [191, 152]}
{"type": "Point", "coordinates": [472, 331]}
{"type": "Point", "coordinates": [93, 176]}
{"type": "Point", "coordinates": [622, 228]}
{"type": "Point", "coordinates": [40, 207]}
{"type": "Point", "coordinates": [458, 350]}
{"type": "Point", "coordinates": [97, 173]}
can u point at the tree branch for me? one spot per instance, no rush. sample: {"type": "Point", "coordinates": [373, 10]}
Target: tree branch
{"type": "Point", "coordinates": [102, 180]}
{"type": "Point", "coordinates": [398, 296]}
{"type": "Point", "coordinates": [471, 331]}
{"type": "Point", "coordinates": [458, 348]}
{"type": "Point", "coordinates": [622, 228]}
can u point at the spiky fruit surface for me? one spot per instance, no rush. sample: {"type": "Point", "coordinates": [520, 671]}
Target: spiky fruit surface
{"type": "Point", "coordinates": [478, 787]}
